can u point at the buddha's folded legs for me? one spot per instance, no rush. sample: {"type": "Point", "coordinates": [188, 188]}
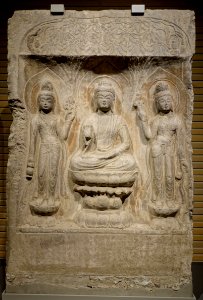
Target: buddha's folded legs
{"type": "Point", "coordinates": [118, 171]}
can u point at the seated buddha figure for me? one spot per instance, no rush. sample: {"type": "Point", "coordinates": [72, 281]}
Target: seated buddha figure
{"type": "Point", "coordinates": [103, 167]}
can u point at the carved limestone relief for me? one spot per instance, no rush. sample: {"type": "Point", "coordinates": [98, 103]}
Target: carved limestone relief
{"type": "Point", "coordinates": [99, 175]}
{"type": "Point", "coordinates": [167, 158]}
{"type": "Point", "coordinates": [103, 167]}
{"type": "Point", "coordinates": [47, 153]}
{"type": "Point", "coordinates": [90, 158]}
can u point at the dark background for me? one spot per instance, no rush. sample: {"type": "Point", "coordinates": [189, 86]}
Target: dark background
{"type": "Point", "coordinates": [6, 11]}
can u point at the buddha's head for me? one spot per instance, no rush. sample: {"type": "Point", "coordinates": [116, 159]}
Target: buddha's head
{"type": "Point", "coordinates": [46, 99]}
{"type": "Point", "coordinates": [163, 98]}
{"type": "Point", "coordinates": [104, 96]}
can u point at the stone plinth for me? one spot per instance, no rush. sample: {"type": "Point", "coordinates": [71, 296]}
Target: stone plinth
{"type": "Point", "coordinates": [94, 259]}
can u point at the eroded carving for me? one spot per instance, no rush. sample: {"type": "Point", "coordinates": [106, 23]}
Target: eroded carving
{"type": "Point", "coordinates": [167, 159]}
{"type": "Point", "coordinates": [89, 216]}
{"type": "Point", "coordinates": [104, 168]}
{"type": "Point", "coordinates": [47, 153]}
{"type": "Point", "coordinates": [45, 38]}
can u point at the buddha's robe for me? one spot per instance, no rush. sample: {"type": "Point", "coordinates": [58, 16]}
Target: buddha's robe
{"type": "Point", "coordinates": [104, 151]}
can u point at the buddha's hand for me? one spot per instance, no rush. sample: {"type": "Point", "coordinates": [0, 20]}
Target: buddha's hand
{"type": "Point", "coordinates": [110, 154]}
{"type": "Point", "coordinates": [88, 134]}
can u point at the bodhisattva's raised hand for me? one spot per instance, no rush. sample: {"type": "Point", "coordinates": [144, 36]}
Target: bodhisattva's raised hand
{"type": "Point", "coordinates": [138, 104]}
{"type": "Point", "coordinates": [70, 111]}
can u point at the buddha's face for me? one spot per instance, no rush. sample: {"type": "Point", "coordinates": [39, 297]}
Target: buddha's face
{"type": "Point", "coordinates": [46, 103]}
{"type": "Point", "coordinates": [104, 100]}
{"type": "Point", "coordinates": [164, 103]}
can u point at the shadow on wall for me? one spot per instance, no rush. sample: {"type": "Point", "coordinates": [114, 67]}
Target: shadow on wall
{"type": "Point", "coordinates": [2, 276]}
{"type": "Point", "coordinates": [5, 122]}
{"type": "Point", "coordinates": [197, 276]}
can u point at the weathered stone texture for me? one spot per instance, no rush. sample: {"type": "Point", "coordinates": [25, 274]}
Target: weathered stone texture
{"type": "Point", "coordinates": [100, 180]}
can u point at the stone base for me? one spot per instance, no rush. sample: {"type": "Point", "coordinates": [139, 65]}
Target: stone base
{"type": "Point", "coordinates": [92, 218]}
{"type": "Point", "coordinates": [9, 296]}
{"type": "Point", "coordinates": [92, 260]}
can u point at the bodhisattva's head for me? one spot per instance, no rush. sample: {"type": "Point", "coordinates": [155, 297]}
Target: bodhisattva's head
{"type": "Point", "coordinates": [165, 103]}
{"type": "Point", "coordinates": [46, 99]}
{"type": "Point", "coordinates": [46, 103]}
{"type": "Point", "coordinates": [163, 98]}
{"type": "Point", "coordinates": [104, 97]}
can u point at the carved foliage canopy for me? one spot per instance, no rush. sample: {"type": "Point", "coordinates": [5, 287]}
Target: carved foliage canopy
{"type": "Point", "coordinates": [123, 36]}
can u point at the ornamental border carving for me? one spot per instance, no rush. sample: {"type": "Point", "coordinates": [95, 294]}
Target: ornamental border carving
{"type": "Point", "coordinates": [142, 36]}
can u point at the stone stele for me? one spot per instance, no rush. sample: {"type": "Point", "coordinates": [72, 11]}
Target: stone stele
{"type": "Point", "coordinates": [99, 176]}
